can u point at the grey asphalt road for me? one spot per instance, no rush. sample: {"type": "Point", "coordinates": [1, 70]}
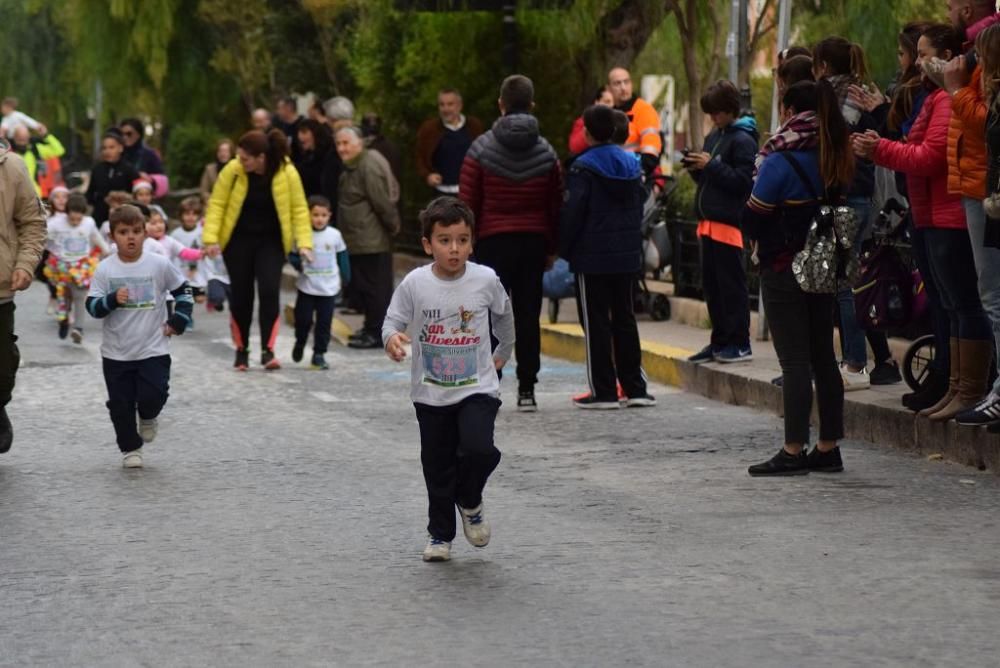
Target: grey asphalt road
{"type": "Point", "coordinates": [280, 519]}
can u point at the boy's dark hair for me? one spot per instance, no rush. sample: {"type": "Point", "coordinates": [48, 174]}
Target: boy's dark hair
{"type": "Point", "coordinates": [192, 204]}
{"type": "Point", "coordinates": [793, 51]}
{"type": "Point", "coordinates": [796, 69]}
{"type": "Point", "coordinates": [600, 122]}
{"type": "Point", "coordinates": [76, 203]}
{"type": "Point", "coordinates": [445, 211]}
{"type": "Point", "coordinates": [126, 215]}
{"type": "Point", "coordinates": [135, 124]}
{"type": "Point", "coordinates": [319, 200]}
{"type": "Point", "coordinates": [721, 97]}
{"type": "Point", "coordinates": [621, 127]}
{"type": "Point", "coordinates": [288, 101]}
{"type": "Point", "coordinates": [517, 94]}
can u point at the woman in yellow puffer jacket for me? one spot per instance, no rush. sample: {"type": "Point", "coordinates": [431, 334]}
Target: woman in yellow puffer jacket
{"type": "Point", "coordinates": [256, 213]}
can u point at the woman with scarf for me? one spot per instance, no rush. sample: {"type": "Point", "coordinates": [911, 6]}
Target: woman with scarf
{"type": "Point", "coordinates": [807, 157]}
{"type": "Point", "coordinates": [842, 64]}
{"type": "Point", "coordinates": [940, 216]}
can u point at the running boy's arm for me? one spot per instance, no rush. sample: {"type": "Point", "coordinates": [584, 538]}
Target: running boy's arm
{"type": "Point", "coordinates": [397, 319]}
{"type": "Point", "coordinates": [503, 324]}
{"type": "Point", "coordinates": [183, 307]}
{"type": "Point", "coordinates": [100, 303]}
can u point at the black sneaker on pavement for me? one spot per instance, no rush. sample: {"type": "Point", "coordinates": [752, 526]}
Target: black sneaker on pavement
{"type": "Point", "coordinates": [590, 402]}
{"type": "Point", "coordinates": [782, 464]}
{"type": "Point", "coordinates": [297, 350]}
{"type": "Point", "coordinates": [885, 373]}
{"type": "Point", "coordinates": [526, 401]}
{"type": "Point", "coordinates": [63, 329]}
{"type": "Point", "coordinates": [825, 462]}
{"type": "Point", "coordinates": [242, 362]}
{"type": "Point", "coordinates": [703, 355]}
{"type": "Point", "coordinates": [365, 342]}
{"type": "Point", "coordinates": [6, 431]}
{"type": "Point", "coordinates": [734, 355]}
{"type": "Point", "coordinates": [640, 402]}
{"type": "Point", "coordinates": [269, 361]}
{"type": "Point", "coordinates": [778, 381]}
{"type": "Point", "coordinates": [319, 363]}
{"type": "Point", "coordinates": [985, 413]}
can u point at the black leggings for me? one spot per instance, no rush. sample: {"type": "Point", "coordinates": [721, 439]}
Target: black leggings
{"type": "Point", "coordinates": [249, 258]}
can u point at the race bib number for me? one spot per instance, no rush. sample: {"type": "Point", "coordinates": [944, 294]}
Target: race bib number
{"type": "Point", "coordinates": [322, 265]}
{"type": "Point", "coordinates": [450, 366]}
{"type": "Point", "coordinates": [141, 291]}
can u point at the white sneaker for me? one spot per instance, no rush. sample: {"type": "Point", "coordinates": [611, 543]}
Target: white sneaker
{"type": "Point", "coordinates": [854, 381]}
{"type": "Point", "coordinates": [475, 526]}
{"type": "Point", "coordinates": [133, 459]}
{"type": "Point", "coordinates": [437, 550]}
{"type": "Point", "coordinates": [147, 430]}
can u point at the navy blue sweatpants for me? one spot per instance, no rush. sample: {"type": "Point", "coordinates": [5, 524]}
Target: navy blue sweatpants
{"type": "Point", "coordinates": [137, 386]}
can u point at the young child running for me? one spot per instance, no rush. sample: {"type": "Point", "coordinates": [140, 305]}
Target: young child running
{"type": "Point", "coordinates": [455, 384]}
{"type": "Point", "coordinates": [75, 247]}
{"type": "Point", "coordinates": [319, 283]}
{"type": "Point", "coordinates": [189, 236]}
{"type": "Point", "coordinates": [115, 200]}
{"type": "Point", "coordinates": [57, 207]}
{"type": "Point", "coordinates": [142, 191]}
{"type": "Point", "coordinates": [156, 233]}
{"type": "Point", "coordinates": [129, 292]}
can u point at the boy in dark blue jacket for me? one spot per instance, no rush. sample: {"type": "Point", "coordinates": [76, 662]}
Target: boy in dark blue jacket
{"type": "Point", "coordinates": [600, 236]}
{"type": "Point", "coordinates": [724, 174]}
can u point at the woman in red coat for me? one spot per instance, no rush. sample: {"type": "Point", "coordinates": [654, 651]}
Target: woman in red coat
{"type": "Point", "coordinates": [941, 217]}
{"type": "Point", "coordinates": [577, 142]}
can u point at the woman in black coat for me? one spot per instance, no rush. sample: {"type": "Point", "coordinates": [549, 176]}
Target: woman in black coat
{"type": "Point", "coordinates": [111, 173]}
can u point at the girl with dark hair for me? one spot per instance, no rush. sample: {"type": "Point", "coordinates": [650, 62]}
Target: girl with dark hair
{"type": "Point", "coordinates": [842, 64]}
{"type": "Point", "coordinates": [577, 141]}
{"type": "Point", "coordinates": [807, 157]}
{"type": "Point", "coordinates": [256, 213]}
{"type": "Point", "coordinates": [315, 146]}
{"type": "Point", "coordinates": [940, 217]}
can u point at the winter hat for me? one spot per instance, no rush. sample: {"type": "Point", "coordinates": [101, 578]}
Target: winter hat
{"type": "Point", "coordinates": [59, 189]}
{"type": "Point", "coordinates": [156, 208]}
{"type": "Point", "coordinates": [140, 184]}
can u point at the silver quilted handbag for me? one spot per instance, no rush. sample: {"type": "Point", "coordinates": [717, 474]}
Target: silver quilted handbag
{"type": "Point", "coordinates": [828, 259]}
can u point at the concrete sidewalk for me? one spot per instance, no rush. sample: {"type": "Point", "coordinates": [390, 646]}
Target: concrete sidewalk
{"type": "Point", "coordinates": [875, 415]}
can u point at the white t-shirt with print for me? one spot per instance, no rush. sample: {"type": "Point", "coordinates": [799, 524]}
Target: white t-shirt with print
{"type": "Point", "coordinates": [72, 243]}
{"type": "Point", "coordinates": [134, 331]}
{"type": "Point", "coordinates": [321, 277]}
{"type": "Point", "coordinates": [450, 321]}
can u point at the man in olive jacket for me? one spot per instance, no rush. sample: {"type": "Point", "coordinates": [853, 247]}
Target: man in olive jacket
{"type": "Point", "coordinates": [368, 218]}
{"type": "Point", "coordinates": [22, 236]}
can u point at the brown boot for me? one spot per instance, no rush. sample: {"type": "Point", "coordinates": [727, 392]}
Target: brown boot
{"type": "Point", "coordinates": [953, 378]}
{"type": "Point", "coordinates": [974, 370]}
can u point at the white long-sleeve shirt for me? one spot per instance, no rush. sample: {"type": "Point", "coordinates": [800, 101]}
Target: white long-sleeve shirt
{"type": "Point", "coordinates": [450, 321]}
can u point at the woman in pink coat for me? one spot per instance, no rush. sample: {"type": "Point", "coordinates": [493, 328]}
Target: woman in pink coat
{"type": "Point", "coordinates": [941, 218]}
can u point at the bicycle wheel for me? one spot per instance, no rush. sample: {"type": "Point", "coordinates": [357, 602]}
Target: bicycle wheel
{"type": "Point", "coordinates": [917, 360]}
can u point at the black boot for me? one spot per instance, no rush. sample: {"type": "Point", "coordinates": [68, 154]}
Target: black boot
{"type": "Point", "coordinates": [6, 431]}
{"type": "Point", "coordinates": [782, 464]}
{"type": "Point", "coordinates": [934, 389]}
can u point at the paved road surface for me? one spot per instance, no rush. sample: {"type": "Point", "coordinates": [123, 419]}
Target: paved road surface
{"type": "Point", "coordinates": [279, 522]}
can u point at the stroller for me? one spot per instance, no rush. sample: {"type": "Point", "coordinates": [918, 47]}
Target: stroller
{"type": "Point", "coordinates": [657, 250]}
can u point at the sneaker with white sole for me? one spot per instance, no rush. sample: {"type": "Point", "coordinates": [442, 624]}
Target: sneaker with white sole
{"type": "Point", "coordinates": [854, 380]}
{"type": "Point", "coordinates": [734, 355]}
{"type": "Point", "coordinates": [640, 402]}
{"type": "Point", "coordinates": [475, 526]}
{"type": "Point", "coordinates": [147, 430]}
{"type": "Point", "coordinates": [76, 335]}
{"type": "Point", "coordinates": [437, 550]}
{"type": "Point", "coordinates": [985, 413]}
{"type": "Point", "coordinates": [526, 401]}
{"type": "Point", "coordinates": [132, 459]}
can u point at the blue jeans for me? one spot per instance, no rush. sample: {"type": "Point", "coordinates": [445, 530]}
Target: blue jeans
{"type": "Point", "coordinates": [940, 322]}
{"type": "Point", "coordinates": [852, 336]}
{"type": "Point", "coordinates": [987, 267]}
{"type": "Point", "coordinates": [954, 271]}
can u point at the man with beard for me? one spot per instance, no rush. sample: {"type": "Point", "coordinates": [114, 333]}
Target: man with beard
{"type": "Point", "coordinates": [643, 121]}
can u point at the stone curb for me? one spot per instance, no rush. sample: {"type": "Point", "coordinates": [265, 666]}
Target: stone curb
{"type": "Point", "coordinates": [865, 421]}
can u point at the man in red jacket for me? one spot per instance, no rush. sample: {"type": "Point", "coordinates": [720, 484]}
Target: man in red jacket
{"type": "Point", "coordinates": [513, 183]}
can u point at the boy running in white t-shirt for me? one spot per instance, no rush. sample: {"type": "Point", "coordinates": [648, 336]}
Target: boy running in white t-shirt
{"type": "Point", "coordinates": [189, 236]}
{"type": "Point", "coordinates": [455, 384]}
{"type": "Point", "coordinates": [319, 283]}
{"type": "Point", "coordinates": [129, 292]}
{"type": "Point", "coordinates": [75, 247]}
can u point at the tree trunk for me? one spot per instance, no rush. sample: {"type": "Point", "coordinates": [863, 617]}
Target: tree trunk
{"type": "Point", "coordinates": [620, 38]}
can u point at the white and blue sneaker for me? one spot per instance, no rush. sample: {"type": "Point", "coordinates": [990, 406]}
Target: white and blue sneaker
{"type": "Point", "coordinates": [437, 550]}
{"type": "Point", "coordinates": [475, 526]}
{"type": "Point", "coordinates": [734, 354]}
{"type": "Point", "coordinates": [984, 414]}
